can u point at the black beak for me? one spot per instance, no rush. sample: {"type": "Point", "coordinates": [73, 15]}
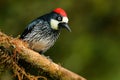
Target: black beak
{"type": "Point", "coordinates": [64, 25]}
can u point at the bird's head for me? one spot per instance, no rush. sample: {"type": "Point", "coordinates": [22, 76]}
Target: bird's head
{"type": "Point", "coordinates": [59, 19]}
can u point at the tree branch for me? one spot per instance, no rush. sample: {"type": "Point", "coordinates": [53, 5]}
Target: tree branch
{"type": "Point", "coordinates": [20, 48]}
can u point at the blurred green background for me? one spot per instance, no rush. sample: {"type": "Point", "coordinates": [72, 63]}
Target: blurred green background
{"type": "Point", "coordinates": [92, 49]}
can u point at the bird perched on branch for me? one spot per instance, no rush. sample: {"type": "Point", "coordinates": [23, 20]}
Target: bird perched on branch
{"type": "Point", "coordinates": [43, 32]}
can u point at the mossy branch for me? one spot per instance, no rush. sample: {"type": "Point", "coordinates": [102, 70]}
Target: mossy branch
{"type": "Point", "coordinates": [12, 50]}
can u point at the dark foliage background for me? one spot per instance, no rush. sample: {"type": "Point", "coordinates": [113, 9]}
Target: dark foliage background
{"type": "Point", "coordinates": [92, 49]}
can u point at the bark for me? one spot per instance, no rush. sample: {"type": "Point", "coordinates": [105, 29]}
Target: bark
{"type": "Point", "coordinates": [16, 49]}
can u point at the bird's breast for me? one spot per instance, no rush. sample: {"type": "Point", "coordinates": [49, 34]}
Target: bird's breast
{"type": "Point", "coordinates": [42, 44]}
{"type": "Point", "coordinates": [39, 46]}
{"type": "Point", "coordinates": [41, 40]}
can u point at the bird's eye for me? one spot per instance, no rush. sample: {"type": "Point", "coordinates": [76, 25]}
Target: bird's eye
{"type": "Point", "coordinates": [59, 18]}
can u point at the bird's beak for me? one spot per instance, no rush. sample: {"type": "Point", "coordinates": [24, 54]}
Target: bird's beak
{"type": "Point", "coordinates": [64, 25]}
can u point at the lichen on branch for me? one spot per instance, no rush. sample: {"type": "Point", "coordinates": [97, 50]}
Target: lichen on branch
{"type": "Point", "coordinates": [27, 64]}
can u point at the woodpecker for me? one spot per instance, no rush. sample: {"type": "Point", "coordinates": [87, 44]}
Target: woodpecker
{"type": "Point", "coordinates": [43, 32]}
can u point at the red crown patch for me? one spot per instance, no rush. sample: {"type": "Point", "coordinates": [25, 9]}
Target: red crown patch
{"type": "Point", "coordinates": [60, 11]}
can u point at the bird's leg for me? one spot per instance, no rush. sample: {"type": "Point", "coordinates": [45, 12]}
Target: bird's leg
{"type": "Point", "coordinates": [41, 52]}
{"type": "Point", "coordinates": [48, 57]}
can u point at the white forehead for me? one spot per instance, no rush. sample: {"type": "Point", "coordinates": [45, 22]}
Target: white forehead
{"type": "Point", "coordinates": [65, 19]}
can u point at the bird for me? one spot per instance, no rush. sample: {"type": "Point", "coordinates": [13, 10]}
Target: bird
{"type": "Point", "coordinates": [42, 33]}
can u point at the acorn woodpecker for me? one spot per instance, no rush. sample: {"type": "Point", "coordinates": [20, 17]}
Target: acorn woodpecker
{"type": "Point", "coordinates": [42, 32]}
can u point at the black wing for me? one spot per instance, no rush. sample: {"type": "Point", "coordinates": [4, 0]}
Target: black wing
{"type": "Point", "coordinates": [29, 28]}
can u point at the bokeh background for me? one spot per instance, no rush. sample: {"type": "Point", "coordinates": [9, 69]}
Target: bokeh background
{"type": "Point", "coordinates": [92, 49]}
